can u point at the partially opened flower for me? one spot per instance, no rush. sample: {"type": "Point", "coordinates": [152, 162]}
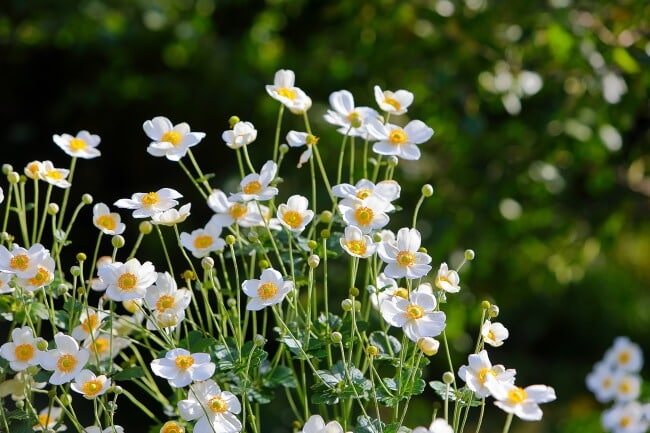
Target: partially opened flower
{"type": "Point", "coordinates": [5, 283]}
{"type": "Point", "coordinates": [355, 243]}
{"type": "Point", "coordinates": [214, 409]}
{"type": "Point", "coordinates": [241, 134]}
{"type": "Point", "coordinates": [523, 402]}
{"type": "Point", "coordinates": [299, 139]}
{"type": "Point", "coordinates": [290, 96]}
{"type": "Point", "coordinates": [269, 290]}
{"type": "Point", "coordinates": [54, 176]}
{"type": "Point", "coordinates": [349, 118]}
{"type": "Point", "coordinates": [172, 216]}
{"type": "Point", "coordinates": [316, 424]}
{"type": "Point", "coordinates": [403, 258]}
{"type": "Point", "coordinates": [180, 367]}
{"type": "Point", "coordinates": [447, 279]}
{"type": "Point", "coordinates": [166, 302]}
{"type": "Point", "coordinates": [417, 315]}
{"type": "Point", "coordinates": [393, 102]}
{"type": "Point", "coordinates": [127, 280]}
{"type": "Point", "coordinates": [33, 170]}
{"type": "Point", "coordinates": [83, 145]}
{"type": "Point", "coordinates": [294, 215]}
{"type": "Point", "coordinates": [66, 360]}
{"type": "Point", "coordinates": [22, 351]}
{"type": "Point", "coordinates": [494, 333]}
{"type": "Point", "coordinates": [480, 370]}
{"type": "Point", "coordinates": [398, 141]}
{"type": "Point", "coordinates": [257, 186]}
{"type": "Point", "coordinates": [228, 212]}
{"type": "Point", "coordinates": [170, 141]}
{"type": "Point", "coordinates": [103, 347]}
{"type": "Point", "coordinates": [89, 384]}
{"type": "Point", "coordinates": [146, 204]}
{"type": "Point", "coordinates": [111, 429]}
{"type": "Point", "coordinates": [202, 242]}
{"type": "Point", "coordinates": [108, 222]}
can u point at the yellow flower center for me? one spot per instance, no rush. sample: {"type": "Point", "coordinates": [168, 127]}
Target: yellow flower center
{"type": "Point", "coordinates": [364, 215]}
{"type": "Point", "coordinates": [127, 281]}
{"type": "Point", "coordinates": [77, 144]}
{"type": "Point", "coordinates": [237, 210]}
{"type": "Point", "coordinates": [607, 382]}
{"type": "Point", "coordinates": [405, 258]}
{"type": "Point", "coordinates": [414, 312]}
{"type": "Point", "coordinates": [491, 336]}
{"type": "Point", "coordinates": [19, 262]}
{"type": "Point", "coordinates": [172, 137]}
{"type": "Point", "coordinates": [393, 102]}
{"type": "Point", "coordinates": [33, 168]}
{"type": "Point", "coordinates": [357, 247]}
{"type": "Point", "coordinates": [517, 395]}
{"type": "Point", "coordinates": [267, 291]}
{"type": "Point", "coordinates": [183, 362]}
{"type": "Point", "coordinates": [625, 387]}
{"type": "Point", "coordinates": [42, 277]}
{"type": "Point", "coordinates": [252, 187]}
{"type": "Point", "coordinates": [24, 352]}
{"type": "Point", "coordinates": [401, 292]}
{"type": "Point", "coordinates": [363, 193]}
{"type": "Point", "coordinates": [311, 140]}
{"type": "Point", "coordinates": [66, 363]}
{"type": "Point", "coordinates": [171, 427]}
{"type": "Point", "coordinates": [217, 405]}
{"type": "Point", "coordinates": [165, 302]}
{"type": "Point", "coordinates": [398, 137]}
{"type": "Point", "coordinates": [150, 199]}
{"type": "Point", "coordinates": [54, 174]}
{"type": "Point", "coordinates": [100, 346]}
{"type": "Point", "coordinates": [203, 241]}
{"type": "Point", "coordinates": [107, 222]}
{"type": "Point", "coordinates": [92, 387]}
{"type": "Point", "coordinates": [624, 357]}
{"type": "Point", "coordinates": [91, 323]}
{"type": "Point", "coordinates": [625, 421]}
{"type": "Point", "coordinates": [292, 218]}
{"type": "Point", "coordinates": [440, 280]}
{"type": "Point", "coordinates": [483, 372]}
{"type": "Point", "coordinates": [43, 421]}
{"type": "Point", "coordinates": [287, 93]}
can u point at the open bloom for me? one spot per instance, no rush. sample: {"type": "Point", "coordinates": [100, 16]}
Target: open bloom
{"type": "Point", "coordinates": [393, 102]}
{"type": "Point", "coordinates": [523, 402]}
{"type": "Point", "coordinates": [215, 409]}
{"type": "Point", "coordinates": [89, 384]}
{"type": "Point", "coordinates": [103, 347]}
{"type": "Point", "coordinates": [146, 204]}
{"type": "Point", "coordinates": [355, 243]}
{"type": "Point", "coordinates": [228, 212]}
{"type": "Point", "coordinates": [417, 315]}
{"type": "Point", "coordinates": [349, 118]}
{"type": "Point", "coordinates": [108, 222]}
{"type": "Point", "coordinates": [624, 355]}
{"type": "Point", "coordinates": [54, 176]}
{"type": "Point", "coordinates": [602, 382]}
{"type": "Point", "coordinates": [241, 134]}
{"type": "Point", "coordinates": [403, 258]}
{"type": "Point", "coordinates": [170, 141]}
{"type": "Point", "coordinates": [368, 215]}
{"type": "Point", "coordinates": [22, 351]}
{"type": "Point", "coordinates": [65, 361]}
{"type": "Point", "coordinates": [180, 367]}
{"type": "Point", "coordinates": [91, 322]}
{"type": "Point", "coordinates": [630, 417]}
{"type": "Point", "coordinates": [316, 424]}
{"type": "Point", "coordinates": [479, 372]}
{"type": "Point", "coordinates": [447, 279]}
{"type": "Point", "coordinates": [112, 429]}
{"type": "Point", "coordinates": [398, 141]}
{"type": "Point", "coordinates": [256, 186]}
{"type": "Point", "coordinates": [290, 96]}
{"type": "Point", "coordinates": [48, 418]}
{"type": "Point", "coordinates": [202, 242]}
{"type": "Point", "coordinates": [494, 333]}
{"type": "Point", "coordinates": [20, 386]}
{"type": "Point", "coordinates": [22, 262]}
{"type": "Point", "coordinates": [43, 275]}
{"type": "Point", "coordinates": [385, 190]}
{"type": "Point", "coordinates": [294, 215]}
{"type": "Point", "coordinates": [172, 216]}
{"type": "Point", "coordinates": [166, 302]}
{"type": "Point", "coordinates": [438, 425]}
{"type": "Point", "coordinates": [270, 289]}
{"type": "Point", "coordinates": [128, 280]}
{"type": "Point", "coordinates": [83, 145]}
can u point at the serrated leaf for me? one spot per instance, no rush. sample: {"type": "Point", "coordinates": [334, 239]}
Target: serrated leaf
{"type": "Point", "coordinates": [388, 345]}
{"type": "Point", "coordinates": [463, 395]}
{"type": "Point", "coordinates": [279, 376]}
{"type": "Point", "coordinates": [335, 384]}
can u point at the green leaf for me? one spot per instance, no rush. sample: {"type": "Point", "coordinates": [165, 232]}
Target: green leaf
{"type": "Point", "coordinates": [401, 387]}
{"type": "Point", "coordinates": [336, 384]}
{"type": "Point", "coordinates": [388, 345]}
{"type": "Point", "coordinates": [464, 395]}
{"type": "Point", "coordinates": [560, 42]}
{"type": "Point", "coordinates": [625, 60]}
{"type": "Point", "coordinates": [279, 376]}
{"type": "Point", "coordinates": [196, 341]}
{"type": "Point", "coordinates": [365, 424]}
{"type": "Point", "coordinates": [129, 374]}
{"type": "Point", "coordinates": [61, 319]}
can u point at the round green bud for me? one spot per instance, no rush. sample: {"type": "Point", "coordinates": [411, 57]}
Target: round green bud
{"type": "Point", "coordinates": [357, 306]}
{"type": "Point", "coordinates": [324, 233]}
{"type": "Point", "coordinates": [7, 168]}
{"type": "Point", "coordinates": [264, 264]}
{"type": "Point", "coordinates": [41, 344]}
{"type": "Point", "coordinates": [485, 305]}
{"type": "Point", "coordinates": [326, 217]}
{"type": "Point", "coordinates": [52, 209]}
{"type": "Point", "coordinates": [347, 304]}
{"type": "Point", "coordinates": [336, 337]}
{"type": "Point", "coordinates": [145, 227]}
{"type": "Point", "coordinates": [61, 289]}
{"type": "Point", "coordinates": [284, 148]}
{"type": "Point", "coordinates": [87, 199]}
{"type": "Point", "coordinates": [75, 271]}
{"type": "Point", "coordinates": [118, 389]}
{"type": "Point", "coordinates": [372, 350]}
{"type": "Point", "coordinates": [493, 311]}
{"type": "Point", "coordinates": [13, 177]}
{"type": "Point", "coordinates": [207, 263]}
{"type": "Point", "coordinates": [312, 244]}
{"type": "Point", "coordinates": [393, 161]}
{"type": "Point", "coordinates": [230, 240]}
{"type": "Point", "coordinates": [81, 290]}
{"type": "Point", "coordinates": [4, 237]}
{"type": "Point", "coordinates": [231, 302]}
{"type": "Point", "coordinates": [259, 340]}
{"type": "Point", "coordinates": [253, 237]}
{"type": "Point", "coordinates": [20, 404]}
{"type": "Point", "coordinates": [22, 178]}
{"type": "Point", "coordinates": [427, 190]}
{"type": "Point", "coordinates": [469, 255]}
{"type": "Point", "coordinates": [448, 377]}
{"type": "Point", "coordinates": [81, 257]}
{"type": "Point", "coordinates": [66, 399]}
{"type": "Point", "coordinates": [188, 274]}
{"type": "Point", "coordinates": [353, 292]}
{"type": "Point", "coordinates": [313, 261]}
{"type": "Point", "coordinates": [118, 241]}
{"type": "Point", "coordinates": [233, 121]}
{"type": "Point", "coordinates": [422, 250]}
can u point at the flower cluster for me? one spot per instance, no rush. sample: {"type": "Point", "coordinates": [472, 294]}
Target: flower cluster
{"type": "Point", "coordinates": [267, 265]}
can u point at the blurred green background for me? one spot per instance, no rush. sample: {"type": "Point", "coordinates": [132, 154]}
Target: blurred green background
{"type": "Point", "coordinates": [540, 160]}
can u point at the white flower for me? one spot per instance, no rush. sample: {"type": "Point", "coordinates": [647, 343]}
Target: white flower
{"type": "Point", "coordinates": [294, 215]}
{"type": "Point", "coordinates": [21, 262]}
{"type": "Point", "coordinates": [20, 386]}
{"type": "Point", "coordinates": [494, 333]}
{"type": "Point", "coordinates": [417, 316]}
{"type": "Point", "coordinates": [180, 367]}
{"type": "Point", "coordinates": [627, 387]}
{"type": "Point", "coordinates": [2, 195]}
{"type": "Point", "coordinates": [401, 142]}
{"type": "Point", "coordinates": [108, 222]}
{"type": "Point", "coordinates": [127, 280]}
{"type": "Point", "coordinates": [602, 382]}
{"type": "Point", "coordinates": [447, 279]}
{"type": "Point", "coordinates": [625, 418]}
{"type": "Point", "coordinates": [368, 215]}
{"type": "Point", "coordinates": [22, 351]}
{"type": "Point", "coordinates": [256, 186]}
{"type": "Point", "coordinates": [241, 134]}
{"type": "Point", "coordinates": [65, 361]}
{"type": "Point", "coordinates": [438, 425]}
{"type": "Point", "coordinates": [299, 139]}
{"type": "Point", "coordinates": [170, 141]}
{"type": "Point", "coordinates": [48, 418]}
{"type": "Point", "coordinates": [103, 347]}
{"type": "Point", "coordinates": [403, 258]}
{"type": "Point", "coordinates": [479, 372]}
{"type": "Point", "coordinates": [270, 289]}
{"type": "Point", "coordinates": [172, 216]}
{"type": "Point", "coordinates": [166, 301]}
{"type": "Point", "coordinates": [54, 176]}
{"type": "Point", "coordinates": [624, 355]}
{"type": "Point", "coordinates": [351, 119]}
{"type": "Point", "coordinates": [146, 204]}
{"type": "Point", "coordinates": [228, 213]}
{"type": "Point", "coordinates": [84, 145]}
{"type": "Point", "coordinates": [214, 409]}
{"type": "Point", "coordinates": [316, 424]}
{"type": "Point", "coordinates": [5, 279]}
{"type": "Point", "coordinates": [202, 242]}
{"type": "Point", "coordinates": [429, 346]}
{"type": "Point", "coordinates": [393, 102]}
{"type": "Point", "coordinates": [523, 402]}
{"type": "Point", "coordinates": [43, 275]}
{"type": "Point", "coordinates": [33, 170]}
{"type": "Point", "coordinates": [91, 321]}
{"type": "Point", "coordinates": [386, 190]}
{"type": "Point", "coordinates": [90, 385]}
{"type": "Point", "coordinates": [112, 429]}
{"type": "Point", "coordinates": [283, 90]}
{"type": "Point", "coordinates": [355, 243]}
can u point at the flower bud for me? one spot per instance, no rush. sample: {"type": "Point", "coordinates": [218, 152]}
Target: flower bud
{"type": "Point", "coordinates": [429, 346]}
{"type": "Point", "coordinates": [172, 427]}
{"type": "Point", "coordinates": [81, 257]}
{"type": "Point", "coordinates": [357, 306]}
{"type": "Point", "coordinates": [118, 389]}
{"type": "Point", "coordinates": [5, 237]}
{"type": "Point", "coordinates": [61, 289]}
{"type": "Point", "coordinates": [493, 311]}
{"type": "Point", "coordinates": [264, 264]}
{"type": "Point", "coordinates": [347, 305]}
{"type": "Point", "coordinates": [188, 274]}
{"type": "Point", "coordinates": [485, 305]}
{"type": "Point", "coordinates": [118, 241]}
{"type": "Point", "coordinates": [448, 377]}
{"type": "Point", "coordinates": [372, 350]}
{"type": "Point", "coordinates": [312, 244]}
{"type": "Point", "coordinates": [20, 404]}
{"type": "Point", "coordinates": [231, 302]}
{"type": "Point", "coordinates": [131, 305]}
{"type": "Point", "coordinates": [7, 168]}
{"type": "Point", "coordinates": [145, 227]}
{"type": "Point", "coordinates": [41, 344]}
{"type": "Point", "coordinates": [233, 121]}
{"type": "Point", "coordinates": [253, 237]}
{"type": "Point", "coordinates": [75, 271]}
{"type": "Point", "coordinates": [326, 217]}
{"type": "Point", "coordinates": [469, 255]}
{"type": "Point", "coordinates": [353, 292]}
{"type": "Point", "coordinates": [324, 233]}
{"type": "Point", "coordinates": [259, 340]}
{"type": "Point", "coordinates": [284, 148]}
{"type": "Point", "coordinates": [52, 209]}
{"type": "Point", "coordinates": [336, 337]}
{"type": "Point", "coordinates": [207, 263]}
{"type": "Point", "coordinates": [13, 177]}
{"type": "Point", "coordinates": [313, 261]}
{"type": "Point", "coordinates": [422, 250]}
{"type": "Point", "coordinates": [427, 190]}
{"type": "Point", "coordinates": [66, 399]}
{"type": "Point", "coordinates": [230, 240]}
{"type": "Point", "coordinates": [392, 161]}
{"type": "Point", "coordinates": [87, 199]}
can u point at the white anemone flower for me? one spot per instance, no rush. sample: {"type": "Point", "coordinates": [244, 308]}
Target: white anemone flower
{"type": "Point", "coordinates": [355, 243]}
{"type": "Point", "coordinates": [256, 186]}
{"type": "Point", "coordinates": [438, 425]}
{"type": "Point", "coordinates": [22, 262]}
{"type": "Point", "coordinates": [295, 215]}
{"type": "Point", "coordinates": [103, 347]}
{"type": "Point", "coordinates": [145, 204]}
{"type": "Point", "coordinates": [229, 213]}
{"type": "Point", "coordinates": [398, 141]}
{"type": "Point", "coordinates": [523, 402]}
{"type": "Point", "coordinates": [202, 242]}
{"type": "Point", "coordinates": [33, 170]}
{"type": "Point", "coordinates": [403, 258]}
{"type": "Point", "coordinates": [83, 145]}
{"type": "Point", "coordinates": [316, 424]}
{"type": "Point", "coordinates": [5, 286]}
{"type": "Point", "coordinates": [22, 351]}
{"type": "Point", "coordinates": [386, 190]}
{"type": "Point", "coordinates": [48, 418]}
{"type": "Point", "coordinates": [393, 102]}
{"type": "Point", "coordinates": [90, 323]}
{"type": "Point", "coordinates": [54, 176]}
{"type": "Point", "coordinates": [284, 91]}
{"type": "Point", "coordinates": [65, 361]}
{"type": "Point", "coordinates": [166, 300]}
{"type": "Point", "coordinates": [627, 387]}
{"type": "Point", "coordinates": [172, 216]}
{"type": "Point", "coordinates": [128, 280]}
{"type": "Point", "coordinates": [108, 222]}
{"type": "Point", "coordinates": [368, 215]}
{"type": "Point", "coordinates": [602, 382]}
{"type": "Point", "coordinates": [43, 275]}
{"type": "Point", "coordinates": [479, 372]}
{"type": "Point", "coordinates": [447, 279]}
{"type": "Point", "coordinates": [494, 333]}
{"type": "Point", "coordinates": [269, 290]}
{"type": "Point", "coordinates": [241, 134]}
{"type": "Point", "coordinates": [624, 355]}
{"type": "Point", "coordinates": [180, 367]}
{"type": "Point", "coordinates": [417, 315]}
{"type": "Point", "coordinates": [349, 118]}
{"type": "Point", "coordinates": [20, 387]}
{"type": "Point", "coordinates": [169, 140]}
{"type": "Point", "coordinates": [89, 384]}
{"type": "Point", "coordinates": [214, 409]}
{"type": "Point", "coordinates": [630, 417]}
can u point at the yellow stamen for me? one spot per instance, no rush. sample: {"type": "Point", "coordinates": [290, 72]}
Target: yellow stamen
{"type": "Point", "coordinates": [517, 395]}
{"type": "Point", "coordinates": [91, 388]}
{"type": "Point", "coordinates": [42, 277]}
{"type": "Point", "coordinates": [405, 258]}
{"type": "Point", "coordinates": [150, 199]}
{"type": "Point", "coordinates": [165, 302]}
{"type": "Point", "coordinates": [66, 363]}
{"type": "Point", "coordinates": [292, 218]}
{"type": "Point", "coordinates": [106, 221]}
{"type": "Point", "coordinates": [172, 427]}
{"type": "Point", "coordinates": [54, 174]}
{"type": "Point", "coordinates": [401, 292]}
{"type": "Point", "coordinates": [237, 210]}
{"type": "Point", "coordinates": [357, 247]}
{"type": "Point", "coordinates": [267, 291]}
{"type": "Point", "coordinates": [184, 362]}
{"type": "Point", "coordinates": [287, 93]}
{"type": "Point", "coordinates": [100, 346]}
{"type": "Point", "coordinates": [19, 262]}
{"type": "Point", "coordinates": [24, 352]}
{"type": "Point", "coordinates": [398, 137]}
{"type": "Point", "coordinates": [217, 405]}
{"type": "Point", "coordinates": [91, 323]}
{"type": "Point", "coordinates": [127, 281]}
{"type": "Point", "coordinates": [252, 187]}
{"type": "Point", "coordinates": [172, 137]}
{"type": "Point", "coordinates": [364, 215]}
{"type": "Point", "coordinates": [414, 312]}
{"type": "Point", "coordinates": [202, 242]}
{"type": "Point", "coordinates": [77, 144]}
{"type": "Point", "coordinates": [483, 372]}
{"type": "Point", "coordinates": [363, 193]}
{"type": "Point", "coordinates": [393, 102]}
